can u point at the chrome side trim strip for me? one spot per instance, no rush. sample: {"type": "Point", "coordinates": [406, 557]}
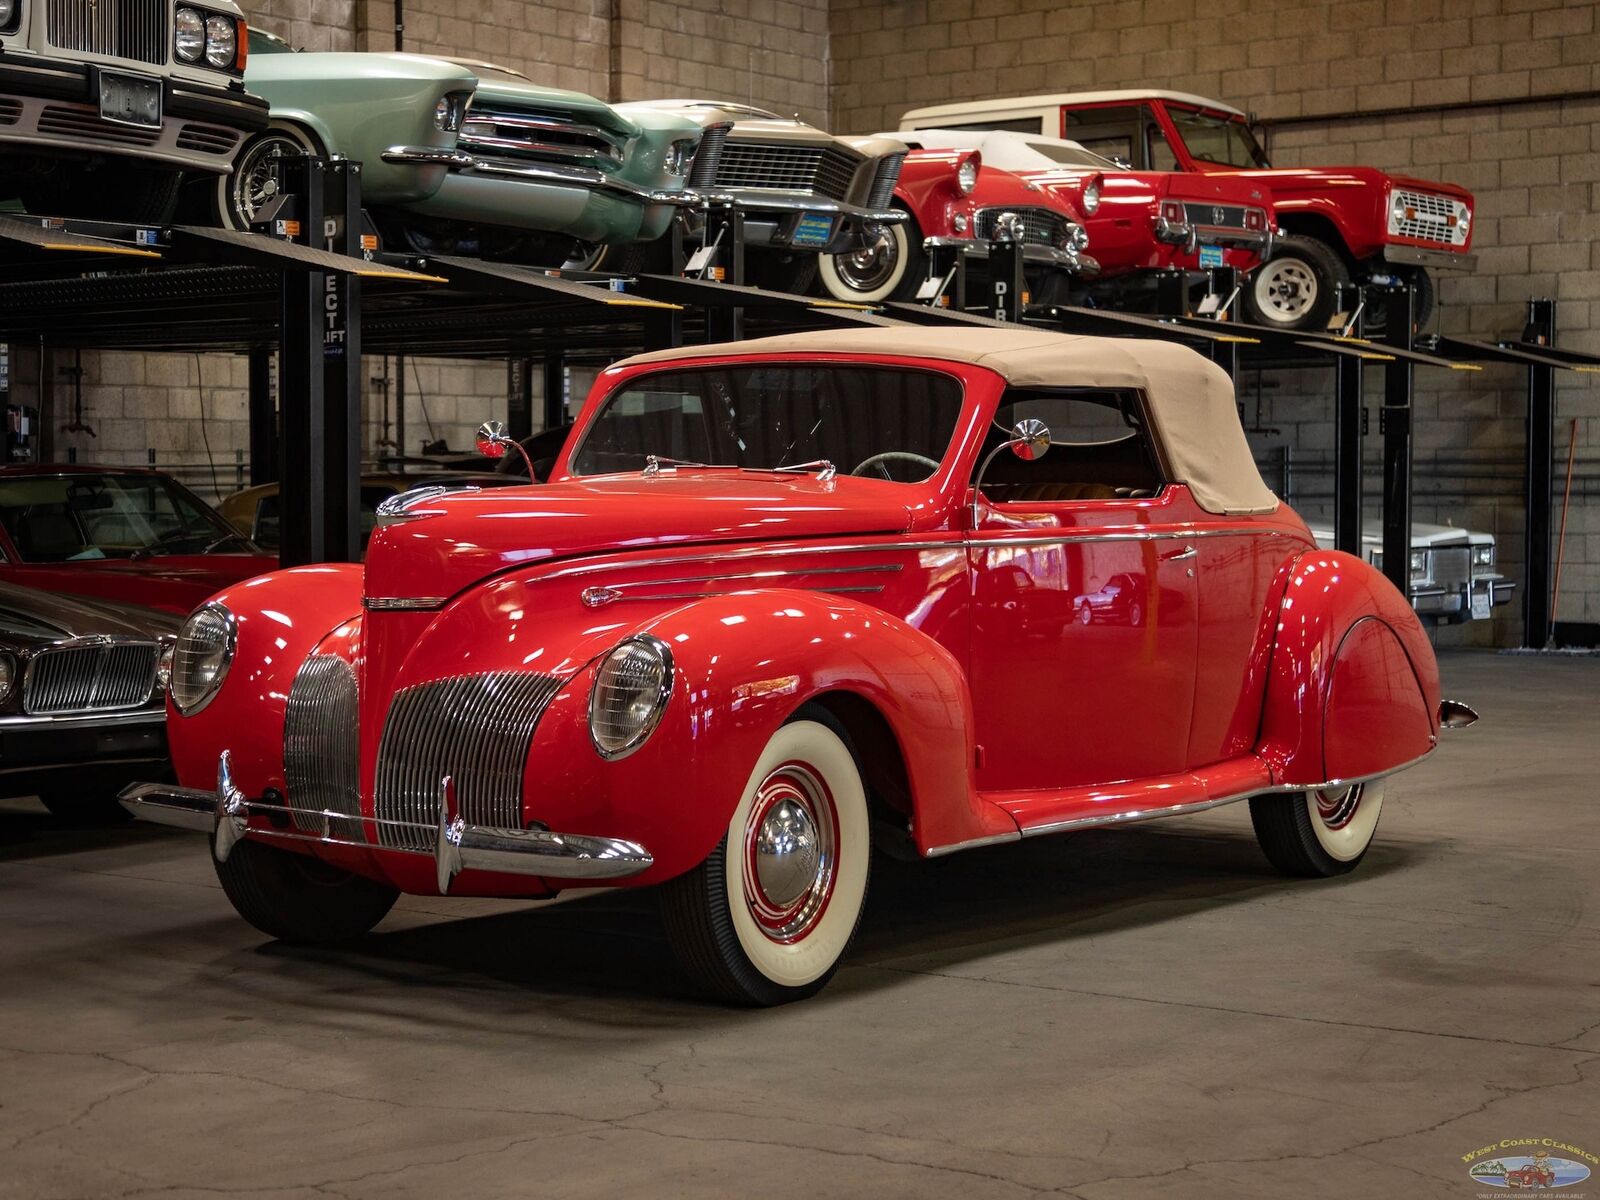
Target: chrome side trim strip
{"type": "Point", "coordinates": [402, 603]}
{"type": "Point", "coordinates": [973, 844]}
{"type": "Point", "coordinates": [602, 594]}
{"type": "Point", "coordinates": [148, 716]}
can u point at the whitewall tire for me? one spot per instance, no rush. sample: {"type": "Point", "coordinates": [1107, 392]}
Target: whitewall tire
{"type": "Point", "coordinates": [889, 267]}
{"type": "Point", "coordinates": [1321, 832]}
{"type": "Point", "coordinates": [256, 180]}
{"type": "Point", "coordinates": [768, 916]}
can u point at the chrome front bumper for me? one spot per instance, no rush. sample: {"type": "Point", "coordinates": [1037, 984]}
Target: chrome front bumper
{"type": "Point", "coordinates": [226, 812]}
{"type": "Point", "coordinates": [1191, 237]}
{"type": "Point", "coordinates": [587, 179]}
{"type": "Point", "coordinates": [1431, 601]}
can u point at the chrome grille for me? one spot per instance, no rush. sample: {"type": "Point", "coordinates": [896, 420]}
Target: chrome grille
{"type": "Point", "coordinates": [1040, 226]}
{"type": "Point", "coordinates": [10, 111]}
{"type": "Point", "coordinates": [883, 182]}
{"type": "Point", "coordinates": [1428, 218]}
{"type": "Point", "coordinates": [1215, 216]}
{"type": "Point", "coordinates": [321, 747]}
{"type": "Point", "coordinates": [824, 171]}
{"type": "Point", "coordinates": [90, 677]}
{"type": "Point", "coordinates": [132, 29]}
{"type": "Point", "coordinates": [707, 156]}
{"type": "Point", "coordinates": [524, 134]}
{"type": "Point", "coordinates": [475, 729]}
{"type": "Point", "coordinates": [1451, 566]}
{"type": "Point", "coordinates": [74, 121]}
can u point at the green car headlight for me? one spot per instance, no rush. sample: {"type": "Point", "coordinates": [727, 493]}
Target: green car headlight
{"type": "Point", "coordinates": [448, 113]}
{"type": "Point", "coordinates": [201, 659]}
{"type": "Point", "coordinates": [631, 690]}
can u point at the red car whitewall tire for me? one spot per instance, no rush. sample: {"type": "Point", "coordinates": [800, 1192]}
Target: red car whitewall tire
{"type": "Point", "coordinates": [768, 916]}
{"type": "Point", "coordinates": [1322, 832]}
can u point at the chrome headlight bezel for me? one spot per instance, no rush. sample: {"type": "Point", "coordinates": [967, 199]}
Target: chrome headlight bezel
{"type": "Point", "coordinates": [1483, 556]}
{"type": "Point", "coordinates": [679, 158]}
{"type": "Point", "coordinates": [223, 643]}
{"type": "Point", "coordinates": [10, 15]}
{"type": "Point", "coordinates": [967, 176]}
{"type": "Point", "coordinates": [656, 691]}
{"type": "Point", "coordinates": [450, 113]}
{"type": "Point", "coordinates": [1420, 566]}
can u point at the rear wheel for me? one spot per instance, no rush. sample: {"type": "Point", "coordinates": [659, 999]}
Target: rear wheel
{"type": "Point", "coordinates": [1297, 287]}
{"type": "Point", "coordinates": [769, 914]}
{"type": "Point", "coordinates": [298, 898]}
{"type": "Point", "coordinates": [889, 267]}
{"type": "Point", "coordinates": [1319, 833]}
{"type": "Point", "coordinates": [257, 179]}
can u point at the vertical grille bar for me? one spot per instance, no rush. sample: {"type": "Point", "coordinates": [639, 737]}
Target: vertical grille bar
{"type": "Point", "coordinates": [883, 182]}
{"type": "Point", "coordinates": [475, 729]}
{"type": "Point", "coordinates": [131, 29]}
{"type": "Point", "coordinates": [321, 746]}
{"type": "Point", "coordinates": [90, 676]}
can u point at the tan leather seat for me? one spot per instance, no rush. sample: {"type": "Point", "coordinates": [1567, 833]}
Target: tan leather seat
{"type": "Point", "coordinates": [1047, 493]}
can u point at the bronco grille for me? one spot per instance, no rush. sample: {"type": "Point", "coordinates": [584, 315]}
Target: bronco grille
{"type": "Point", "coordinates": [1214, 216]}
{"type": "Point", "coordinates": [1040, 226]}
{"type": "Point", "coordinates": [1429, 218]}
{"type": "Point", "coordinates": [475, 729]}
{"type": "Point", "coordinates": [91, 677]}
{"type": "Point", "coordinates": [496, 131]}
{"type": "Point", "coordinates": [134, 29]}
{"type": "Point", "coordinates": [824, 171]}
{"type": "Point", "coordinates": [321, 747]}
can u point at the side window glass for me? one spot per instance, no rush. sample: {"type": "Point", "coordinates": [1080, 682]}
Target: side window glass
{"type": "Point", "coordinates": [1100, 448]}
{"type": "Point", "coordinates": [1113, 131]}
{"type": "Point", "coordinates": [1162, 157]}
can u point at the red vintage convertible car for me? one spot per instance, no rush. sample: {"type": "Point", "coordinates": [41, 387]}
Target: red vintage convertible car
{"type": "Point", "coordinates": [127, 534]}
{"type": "Point", "coordinates": [766, 613]}
{"type": "Point", "coordinates": [1133, 222]}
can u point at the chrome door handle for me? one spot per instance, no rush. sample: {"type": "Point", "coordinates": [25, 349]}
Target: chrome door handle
{"type": "Point", "coordinates": [1179, 555]}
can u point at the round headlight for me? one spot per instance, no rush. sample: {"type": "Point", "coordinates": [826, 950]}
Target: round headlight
{"type": "Point", "coordinates": [8, 663]}
{"type": "Point", "coordinates": [8, 9]}
{"type": "Point", "coordinates": [188, 34]}
{"type": "Point", "coordinates": [222, 41]}
{"type": "Point", "coordinates": [444, 113]}
{"type": "Point", "coordinates": [1091, 198]}
{"type": "Point", "coordinates": [1397, 210]}
{"type": "Point", "coordinates": [967, 176]}
{"type": "Point", "coordinates": [631, 690]}
{"type": "Point", "coordinates": [202, 656]}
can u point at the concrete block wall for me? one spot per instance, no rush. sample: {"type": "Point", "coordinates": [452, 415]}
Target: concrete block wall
{"type": "Point", "coordinates": [1534, 167]}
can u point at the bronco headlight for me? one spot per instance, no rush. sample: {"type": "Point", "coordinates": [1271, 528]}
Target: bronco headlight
{"type": "Point", "coordinates": [631, 690]}
{"type": "Point", "coordinates": [201, 659]}
{"type": "Point", "coordinates": [189, 34]}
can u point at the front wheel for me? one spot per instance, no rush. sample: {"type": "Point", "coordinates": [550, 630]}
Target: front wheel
{"type": "Point", "coordinates": [257, 178]}
{"type": "Point", "coordinates": [298, 898]}
{"type": "Point", "coordinates": [767, 917]}
{"type": "Point", "coordinates": [1297, 288]}
{"type": "Point", "coordinates": [1318, 833]}
{"type": "Point", "coordinates": [888, 267]}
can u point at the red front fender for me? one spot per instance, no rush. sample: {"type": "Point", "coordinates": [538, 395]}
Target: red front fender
{"type": "Point", "coordinates": [1353, 689]}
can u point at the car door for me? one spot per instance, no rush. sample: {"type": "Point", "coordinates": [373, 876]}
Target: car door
{"type": "Point", "coordinates": [1084, 602]}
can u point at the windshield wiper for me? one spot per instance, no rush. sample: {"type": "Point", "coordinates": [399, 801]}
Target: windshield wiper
{"type": "Point", "coordinates": [654, 464]}
{"type": "Point", "coordinates": [825, 470]}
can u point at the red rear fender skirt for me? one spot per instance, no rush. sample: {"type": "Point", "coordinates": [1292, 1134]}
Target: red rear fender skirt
{"type": "Point", "coordinates": [1376, 717]}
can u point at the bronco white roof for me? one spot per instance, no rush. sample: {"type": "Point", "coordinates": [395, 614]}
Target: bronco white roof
{"type": "Point", "coordinates": [937, 113]}
{"type": "Point", "coordinates": [1191, 399]}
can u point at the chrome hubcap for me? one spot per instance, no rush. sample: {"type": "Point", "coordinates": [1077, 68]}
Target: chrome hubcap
{"type": "Point", "coordinates": [258, 179]}
{"type": "Point", "coordinates": [791, 847]}
{"type": "Point", "coordinates": [1337, 808]}
{"type": "Point", "coordinates": [1286, 289]}
{"type": "Point", "coordinates": [871, 266]}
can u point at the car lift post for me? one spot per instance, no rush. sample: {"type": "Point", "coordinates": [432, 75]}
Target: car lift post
{"type": "Point", "coordinates": [725, 231]}
{"type": "Point", "coordinates": [1541, 330]}
{"type": "Point", "coordinates": [263, 418]}
{"type": "Point", "coordinates": [1172, 299]}
{"type": "Point", "coordinates": [302, 498]}
{"type": "Point", "coordinates": [1007, 284]}
{"type": "Point", "coordinates": [519, 398]}
{"type": "Point", "coordinates": [950, 261]}
{"type": "Point", "coordinates": [1224, 353]}
{"type": "Point", "coordinates": [1348, 418]}
{"type": "Point", "coordinates": [341, 360]}
{"type": "Point", "coordinates": [555, 390]}
{"type": "Point", "coordinates": [1395, 426]}
{"type": "Point", "coordinates": [663, 328]}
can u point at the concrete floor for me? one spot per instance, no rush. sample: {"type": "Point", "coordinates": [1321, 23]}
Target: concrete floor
{"type": "Point", "coordinates": [1141, 1012]}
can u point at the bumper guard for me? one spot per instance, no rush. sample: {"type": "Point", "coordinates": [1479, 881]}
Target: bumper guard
{"type": "Point", "coordinates": [458, 846]}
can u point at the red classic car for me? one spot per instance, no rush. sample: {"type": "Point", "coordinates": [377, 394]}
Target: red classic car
{"type": "Point", "coordinates": [766, 613]}
{"type": "Point", "coordinates": [1342, 223]}
{"type": "Point", "coordinates": [118, 533]}
{"type": "Point", "coordinates": [1134, 222]}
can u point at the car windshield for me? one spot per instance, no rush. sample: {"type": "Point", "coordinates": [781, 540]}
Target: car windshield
{"type": "Point", "coordinates": [884, 422]}
{"type": "Point", "coordinates": [77, 517]}
{"type": "Point", "coordinates": [1226, 140]}
{"type": "Point", "coordinates": [1070, 154]}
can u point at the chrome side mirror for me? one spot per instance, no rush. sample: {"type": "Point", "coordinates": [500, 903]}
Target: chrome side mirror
{"type": "Point", "coordinates": [1030, 438]}
{"type": "Point", "coordinates": [493, 442]}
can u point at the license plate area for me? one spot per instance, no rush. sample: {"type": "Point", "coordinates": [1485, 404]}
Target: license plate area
{"type": "Point", "coordinates": [130, 100]}
{"type": "Point", "coordinates": [1211, 256]}
{"type": "Point", "coordinates": [1481, 605]}
{"type": "Point", "coordinates": [812, 231]}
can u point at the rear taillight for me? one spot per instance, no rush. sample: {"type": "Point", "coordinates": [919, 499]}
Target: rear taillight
{"type": "Point", "coordinates": [1255, 218]}
{"type": "Point", "coordinates": [1172, 211]}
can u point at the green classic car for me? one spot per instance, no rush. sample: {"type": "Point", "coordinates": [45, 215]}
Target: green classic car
{"type": "Point", "coordinates": [464, 157]}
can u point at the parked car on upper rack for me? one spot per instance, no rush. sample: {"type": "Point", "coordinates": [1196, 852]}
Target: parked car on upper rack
{"type": "Point", "coordinates": [785, 599]}
{"type": "Point", "coordinates": [1453, 573]}
{"type": "Point", "coordinates": [1341, 223]}
{"type": "Point", "coordinates": [83, 698]}
{"type": "Point", "coordinates": [1135, 223]}
{"type": "Point", "coordinates": [128, 534]}
{"type": "Point", "coordinates": [106, 107]}
{"type": "Point", "coordinates": [803, 191]}
{"type": "Point", "coordinates": [465, 157]}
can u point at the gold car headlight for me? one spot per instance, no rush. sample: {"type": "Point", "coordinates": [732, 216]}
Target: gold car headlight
{"type": "Point", "coordinates": [631, 690]}
{"type": "Point", "coordinates": [201, 659]}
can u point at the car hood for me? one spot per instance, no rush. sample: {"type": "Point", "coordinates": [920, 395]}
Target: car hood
{"type": "Point", "coordinates": [172, 583]}
{"type": "Point", "coordinates": [439, 546]}
{"type": "Point", "coordinates": [1287, 180]}
{"type": "Point", "coordinates": [1225, 189]}
{"type": "Point", "coordinates": [30, 617]}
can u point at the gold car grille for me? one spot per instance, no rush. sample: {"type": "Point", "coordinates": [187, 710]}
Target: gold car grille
{"type": "Point", "coordinates": [132, 29]}
{"type": "Point", "coordinates": [474, 728]}
{"type": "Point", "coordinates": [823, 171]}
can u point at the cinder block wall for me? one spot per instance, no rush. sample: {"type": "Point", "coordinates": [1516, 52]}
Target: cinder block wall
{"type": "Point", "coordinates": [1534, 167]}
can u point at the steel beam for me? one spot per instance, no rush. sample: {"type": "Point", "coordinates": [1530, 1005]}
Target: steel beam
{"type": "Point", "coordinates": [555, 391]}
{"type": "Point", "coordinates": [1007, 283]}
{"type": "Point", "coordinates": [302, 498]}
{"type": "Point", "coordinates": [263, 419]}
{"type": "Point", "coordinates": [1536, 629]}
{"type": "Point", "coordinates": [1395, 427]}
{"type": "Point", "coordinates": [341, 363]}
{"type": "Point", "coordinates": [1348, 420]}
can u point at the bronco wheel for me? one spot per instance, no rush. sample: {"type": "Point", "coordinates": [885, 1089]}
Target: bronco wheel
{"type": "Point", "coordinates": [298, 898]}
{"type": "Point", "coordinates": [767, 917]}
{"type": "Point", "coordinates": [1296, 287]}
{"type": "Point", "coordinates": [1321, 832]}
{"type": "Point", "coordinates": [888, 267]}
{"type": "Point", "coordinates": [257, 178]}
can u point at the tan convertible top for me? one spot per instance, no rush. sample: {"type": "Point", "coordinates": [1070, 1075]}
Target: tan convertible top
{"type": "Point", "coordinates": [1191, 399]}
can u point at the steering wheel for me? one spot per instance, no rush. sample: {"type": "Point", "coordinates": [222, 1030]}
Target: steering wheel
{"type": "Point", "coordinates": [889, 456]}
